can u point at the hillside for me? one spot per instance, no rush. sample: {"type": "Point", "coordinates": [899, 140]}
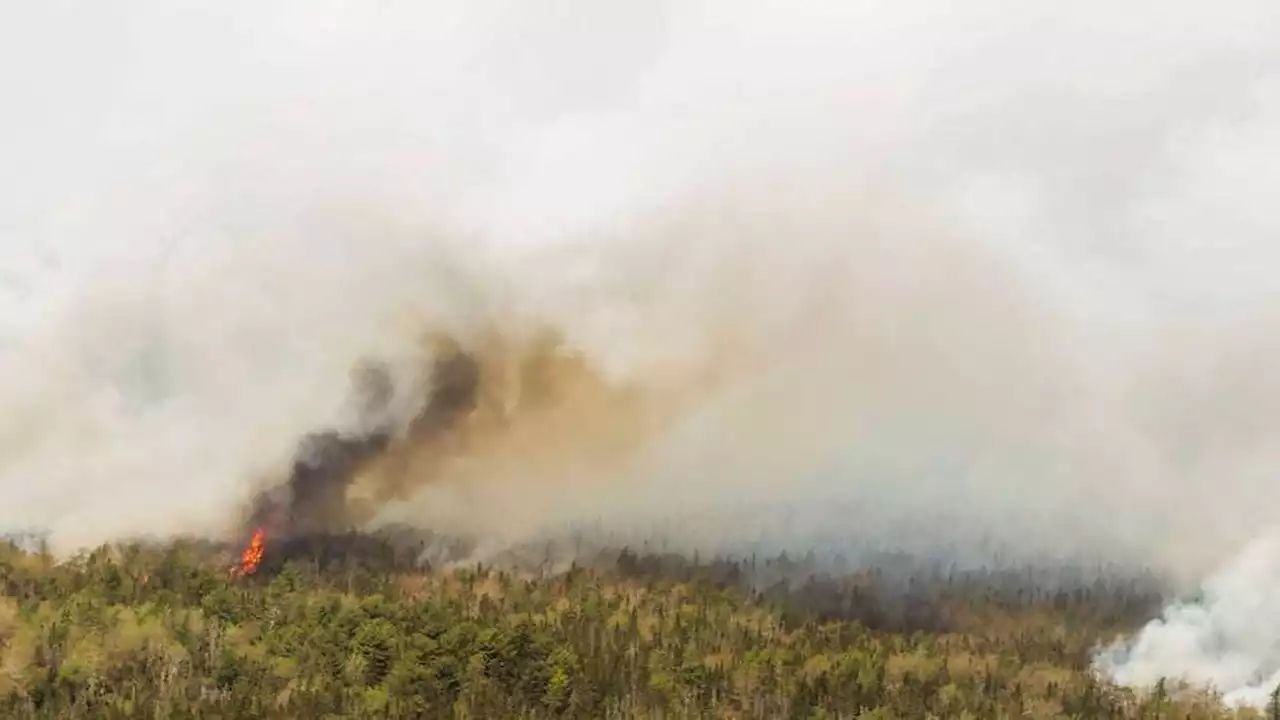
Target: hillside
{"type": "Point", "coordinates": [167, 631]}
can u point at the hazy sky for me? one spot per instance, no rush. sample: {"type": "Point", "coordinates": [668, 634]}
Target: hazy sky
{"type": "Point", "coordinates": [1016, 254]}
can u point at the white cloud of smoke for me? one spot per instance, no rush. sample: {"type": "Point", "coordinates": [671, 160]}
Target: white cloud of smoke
{"type": "Point", "coordinates": [1228, 639]}
{"type": "Point", "coordinates": [1003, 264]}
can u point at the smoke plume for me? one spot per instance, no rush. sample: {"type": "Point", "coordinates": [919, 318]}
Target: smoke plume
{"type": "Point", "coordinates": [1227, 639]}
{"type": "Point", "coordinates": [748, 274]}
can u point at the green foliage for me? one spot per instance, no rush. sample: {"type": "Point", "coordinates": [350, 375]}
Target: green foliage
{"type": "Point", "coordinates": [162, 633]}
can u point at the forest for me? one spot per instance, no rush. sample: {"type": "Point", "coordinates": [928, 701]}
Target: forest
{"type": "Point", "coordinates": [357, 626]}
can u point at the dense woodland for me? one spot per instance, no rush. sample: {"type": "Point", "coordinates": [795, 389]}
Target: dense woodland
{"type": "Point", "coordinates": [348, 629]}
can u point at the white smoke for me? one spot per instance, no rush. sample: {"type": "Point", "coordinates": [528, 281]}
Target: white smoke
{"type": "Point", "coordinates": [1228, 639]}
{"type": "Point", "coordinates": [1002, 268]}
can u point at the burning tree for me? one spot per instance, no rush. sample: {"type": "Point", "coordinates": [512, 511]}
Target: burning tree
{"type": "Point", "coordinates": [252, 555]}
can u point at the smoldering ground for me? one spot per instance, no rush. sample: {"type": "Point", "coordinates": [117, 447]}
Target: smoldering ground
{"type": "Point", "coordinates": [937, 278]}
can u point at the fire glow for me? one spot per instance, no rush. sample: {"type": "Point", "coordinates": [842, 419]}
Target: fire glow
{"type": "Point", "coordinates": [252, 555]}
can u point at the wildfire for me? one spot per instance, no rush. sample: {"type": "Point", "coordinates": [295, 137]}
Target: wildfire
{"type": "Point", "coordinates": [252, 555]}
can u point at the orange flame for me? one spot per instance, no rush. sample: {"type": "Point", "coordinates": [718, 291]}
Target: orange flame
{"type": "Point", "coordinates": [252, 555]}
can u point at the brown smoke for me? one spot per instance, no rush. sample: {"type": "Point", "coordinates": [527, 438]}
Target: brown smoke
{"type": "Point", "coordinates": [1036, 264]}
{"type": "Point", "coordinates": [493, 406]}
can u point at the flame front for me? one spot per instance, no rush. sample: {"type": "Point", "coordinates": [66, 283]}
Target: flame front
{"type": "Point", "coordinates": [252, 555]}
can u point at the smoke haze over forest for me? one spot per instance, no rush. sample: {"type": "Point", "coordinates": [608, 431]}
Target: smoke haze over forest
{"type": "Point", "coordinates": [824, 273]}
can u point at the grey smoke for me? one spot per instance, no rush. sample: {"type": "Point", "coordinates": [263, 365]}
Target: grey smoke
{"type": "Point", "coordinates": [994, 271]}
{"type": "Point", "coordinates": [1226, 639]}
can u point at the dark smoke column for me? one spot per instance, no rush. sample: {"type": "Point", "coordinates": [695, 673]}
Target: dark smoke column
{"type": "Point", "coordinates": [328, 462]}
